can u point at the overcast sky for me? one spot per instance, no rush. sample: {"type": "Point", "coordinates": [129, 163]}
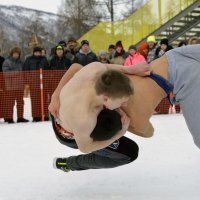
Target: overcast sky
{"type": "Point", "coordinates": [45, 5]}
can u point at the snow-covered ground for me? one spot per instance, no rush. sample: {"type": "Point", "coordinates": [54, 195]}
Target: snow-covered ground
{"type": "Point", "coordinates": [168, 167]}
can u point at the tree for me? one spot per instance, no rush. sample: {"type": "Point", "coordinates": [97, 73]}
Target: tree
{"type": "Point", "coordinates": [77, 17]}
{"type": "Point", "coordinates": [45, 39]}
{"type": "Point", "coordinates": [5, 42]}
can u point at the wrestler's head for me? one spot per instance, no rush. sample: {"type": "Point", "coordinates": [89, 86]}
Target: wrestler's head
{"type": "Point", "coordinates": [115, 89]}
{"type": "Point", "coordinates": [108, 124]}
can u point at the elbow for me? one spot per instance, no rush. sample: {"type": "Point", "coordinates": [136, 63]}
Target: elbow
{"type": "Point", "coordinates": [148, 135]}
{"type": "Point", "coordinates": [148, 132]}
{"type": "Point", "coordinates": [84, 149]}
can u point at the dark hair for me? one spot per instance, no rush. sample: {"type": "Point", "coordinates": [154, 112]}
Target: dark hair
{"type": "Point", "coordinates": [113, 84]}
{"type": "Point", "coordinates": [62, 43]}
{"type": "Point", "coordinates": [111, 46]}
{"type": "Point", "coordinates": [37, 49]}
{"type": "Point", "coordinates": [182, 43]}
{"type": "Point", "coordinates": [15, 50]}
{"type": "Point", "coordinates": [108, 124]}
{"type": "Point", "coordinates": [83, 42]}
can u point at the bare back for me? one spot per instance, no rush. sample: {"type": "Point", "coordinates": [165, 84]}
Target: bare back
{"type": "Point", "coordinates": [141, 105]}
{"type": "Point", "coordinates": [75, 98]}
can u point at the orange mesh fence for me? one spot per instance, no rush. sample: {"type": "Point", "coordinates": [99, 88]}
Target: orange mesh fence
{"type": "Point", "coordinates": [13, 103]}
{"type": "Point", "coordinates": [34, 105]}
{"type": "Point", "coordinates": [164, 107]}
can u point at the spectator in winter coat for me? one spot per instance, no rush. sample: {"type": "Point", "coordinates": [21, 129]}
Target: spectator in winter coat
{"type": "Point", "coordinates": [164, 47]}
{"type": "Point", "coordinates": [32, 65]}
{"type": "Point", "coordinates": [36, 61]}
{"type": "Point", "coordinates": [193, 40]}
{"type": "Point", "coordinates": [72, 49]}
{"type": "Point", "coordinates": [134, 56]}
{"type": "Point", "coordinates": [143, 49]}
{"type": "Point", "coordinates": [14, 86]}
{"type": "Point", "coordinates": [53, 49]}
{"type": "Point", "coordinates": [182, 43]}
{"type": "Point", "coordinates": [151, 41]}
{"type": "Point", "coordinates": [111, 50]}
{"type": "Point", "coordinates": [103, 58]}
{"type": "Point", "coordinates": [120, 55]}
{"type": "Point", "coordinates": [59, 61]}
{"type": "Point", "coordinates": [85, 55]}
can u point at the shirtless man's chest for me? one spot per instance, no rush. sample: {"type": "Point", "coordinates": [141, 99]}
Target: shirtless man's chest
{"type": "Point", "coordinates": [76, 101]}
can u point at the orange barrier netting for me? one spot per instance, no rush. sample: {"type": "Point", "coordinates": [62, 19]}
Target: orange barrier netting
{"type": "Point", "coordinates": [35, 103]}
{"type": "Point", "coordinates": [15, 103]}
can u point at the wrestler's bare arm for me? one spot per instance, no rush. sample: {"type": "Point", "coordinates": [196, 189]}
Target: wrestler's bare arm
{"type": "Point", "coordinates": [142, 69]}
{"type": "Point", "coordinates": [55, 102]}
{"type": "Point", "coordinates": [85, 127]}
{"type": "Point", "coordinates": [86, 144]}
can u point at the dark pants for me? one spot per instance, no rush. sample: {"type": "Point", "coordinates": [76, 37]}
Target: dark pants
{"type": "Point", "coordinates": [10, 97]}
{"type": "Point", "coordinates": [120, 152]}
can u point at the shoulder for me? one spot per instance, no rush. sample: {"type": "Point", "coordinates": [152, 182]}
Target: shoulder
{"type": "Point", "coordinates": [29, 58]}
{"type": "Point", "coordinates": [92, 53]}
{"type": "Point", "coordinates": [96, 67]}
{"type": "Point", "coordinates": [7, 61]}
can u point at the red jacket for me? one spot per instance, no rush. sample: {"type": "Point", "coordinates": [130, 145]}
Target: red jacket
{"type": "Point", "coordinates": [132, 60]}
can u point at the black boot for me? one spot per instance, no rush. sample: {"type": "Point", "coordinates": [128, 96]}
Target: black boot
{"type": "Point", "coordinates": [22, 120]}
{"type": "Point", "coordinates": [46, 118]}
{"type": "Point", "coordinates": [37, 119]}
{"type": "Point", "coordinates": [10, 121]}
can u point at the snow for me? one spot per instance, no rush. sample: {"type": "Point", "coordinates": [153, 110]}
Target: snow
{"type": "Point", "coordinates": [167, 167]}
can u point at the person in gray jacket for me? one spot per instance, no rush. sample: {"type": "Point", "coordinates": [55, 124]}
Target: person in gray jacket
{"type": "Point", "coordinates": [14, 86]}
{"type": "Point", "coordinates": [85, 54]}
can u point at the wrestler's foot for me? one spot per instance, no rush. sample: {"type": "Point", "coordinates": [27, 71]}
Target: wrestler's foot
{"type": "Point", "coordinates": [61, 163]}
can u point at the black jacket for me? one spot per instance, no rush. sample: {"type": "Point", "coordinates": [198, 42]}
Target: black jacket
{"type": "Point", "coordinates": [59, 64]}
{"type": "Point", "coordinates": [158, 54]}
{"type": "Point", "coordinates": [35, 63]}
{"type": "Point", "coordinates": [85, 59]}
{"type": "Point", "coordinates": [1, 63]}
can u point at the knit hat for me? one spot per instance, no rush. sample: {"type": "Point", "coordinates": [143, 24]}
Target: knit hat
{"type": "Point", "coordinates": [164, 41]}
{"type": "Point", "coordinates": [132, 47]}
{"type": "Point", "coordinates": [151, 39]}
{"type": "Point", "coordinates": [62, 43]}
{"type": "Point", "coordinates": [119, 44]}
{"type": "Point", "coordinates": [37, 49]}
{"type": "Point", "coordinates": [59, 47]}
{"type": "Point", "coordinates": [83, 42]}
{"type": "Point", "coordinates": [102, 52]}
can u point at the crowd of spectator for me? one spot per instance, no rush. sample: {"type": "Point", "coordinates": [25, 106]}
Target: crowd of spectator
{"type": "Point", "coordinates": [61, 57]}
